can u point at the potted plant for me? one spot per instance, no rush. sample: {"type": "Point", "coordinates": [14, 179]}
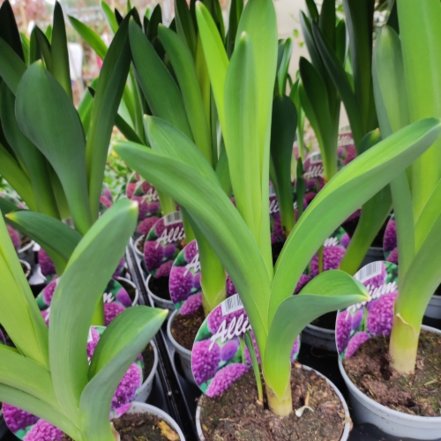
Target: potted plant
{"type": "Point", "coordinates": [406, 88]}
{"type": "Point", "coordinates": [243, 88]}
{"type": "Point", "coordinates": [47, 373]}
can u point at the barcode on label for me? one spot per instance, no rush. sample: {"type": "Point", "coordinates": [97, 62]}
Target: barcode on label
{"type": "Point", "coordinates": [369, 271]}
{"type": "Point", "coordinates": [172, 218]}
{"type": "Point", "coordinates": [315, 158]}
{"type": "Point", "coordinates": [232, 304]}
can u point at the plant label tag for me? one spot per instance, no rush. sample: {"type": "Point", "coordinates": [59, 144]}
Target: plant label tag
{"type": "Point", "coordinates": [374, 318]}
{"type": "Point", "coordinates": [163, 243]}
{"type": "Point", "coordinates": [220, 356]}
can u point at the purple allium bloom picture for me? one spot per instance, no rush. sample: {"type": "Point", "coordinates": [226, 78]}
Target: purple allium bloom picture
{"type": "Point", "coordinates": [16, 418]}
{"type": "Point", "coordinates": [111, 311]}
{"type": "Point", "coordinates": [332, 256]}
{"type": "Point", "coordinates": [231, 289]}
{"type": "Point", "coordinates": [393, 256]}
{"type": "Point", "coordinates": [343, 329]}
{"type": "Point", "coordinates": [377, 278]}
{"type": "Point", "coordinates": [191, 250]}
{"type": "Point", "coordinates": [191, 305]}
{"type": "Point", "coordinates": [49, 290]}
{"type": "Point", "coordinates": [180, 283]}
{"type": "Point", "coordinates": [390, 236]}
{"type": "Point", "coordinates": [130, 189]}
{"type": "Point", "coordinates": [196, 282]}
{"type": "Point", "coordinates": [46, 265]}
{"type": "Point", "coordinates": [303, 280]}
{"type": "Point", "coordinates": [146, 225]}
{"type": "Point", "coordinates": [381, 315]}
{"type": "Point", "coordinates": [205, 358]}
{"type": "Point", "coordinates": [216, 318]}
{"type": "Point", "coordinates": [229, 349]}
{"type": "Point", "coordinates": [44, 431]}
{"type": "Point", "coordinates": [92, 342]}
{"type": "Point", "coordinates": [164, 269]}
{"type": "Point", "coordinates": [277, 234]}
{"type": "Point", "coordinates": [123, 297]}
{"type": "Point", "coordinates": [344, 240]}
{"type": "Point", "coordinates": [15, 237]}
{"type": "Point", "coordinates": [355, 343]}
{"type": "Point", "coordinates": [224, 378]}
{"type": "Point", "coordinates": [152, 254]}
{"type": "Point", "coordinates": [129, 384]}
{"type": "Point", "coordinates": [169, 251]}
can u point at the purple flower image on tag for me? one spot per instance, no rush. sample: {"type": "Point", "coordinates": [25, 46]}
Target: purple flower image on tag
{"type": "Point", "coordinates": [358, 323]}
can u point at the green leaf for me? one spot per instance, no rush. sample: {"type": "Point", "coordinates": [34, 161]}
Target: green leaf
{"type": "Point", "coordinates": [105, 243]}
{"type": "Point", "coordinates": [12, 67]}
{"type": "Point", "coordinates": [90, 37]}
{"type": "Point", "coordinates": [329, 291]}
{"type": "Point", "coordinates": [110, 16]}
{"type": "Point", "coordinates": [9, 29]}
{"type": "Point", "coordinates": [158, 86]}
{"type": "Point", "coordinates": [60, 54]}
{"type": "Point", "coordinates": [29, 157]}
{"type": "Point", "coordinates": [123, 340]}
{"type": "Point", "coordinates": [185, 25]}
{"type": "Point", "coordinates": [215, 56]}
{"type": "Point", "coordinates": [185, 71]}
{"type": "Point", "coordinates": [59, 125]}
{"type": "Point", "coordinates": [57, 239]}
{"type": "Point", "coordinates": [315, 102]}
{"type": "Point", "coordinates": [18, 179]}
{"type": "Point", "coordinates": [35, 406]}
{"type": "Point", "coordinates": [107, 98]}
{"type": "Point", "coordinates": [213, 213]}
{"type": "Point", "coordinates": [236, 9]}
{"type": "Point", "coordinates": [352, 186]}
{"type": "Point", "coordinates": [19, 314]}
{"type": "Point", "coordinates": [282, 141]}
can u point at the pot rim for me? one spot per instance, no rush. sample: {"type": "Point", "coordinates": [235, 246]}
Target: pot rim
{"type": "Point", "coordinates": [152, 373]}
{"type": "Point", "coordinates": [382, 407]}
{"type": "Point", "coordinates": [132, 284]}
{"type": "Point", "coordinates": [347, 421]}
{"type": "Point", "coordinates": [156, 297]}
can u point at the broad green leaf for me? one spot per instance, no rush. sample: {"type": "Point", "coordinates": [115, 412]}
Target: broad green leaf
{"type": "Point", "coordinates": [351, 187]}
{"type": "Point", "coordinates": [90, 37]}
{"type": "Point", "coordinates": [9, 29]}
{"type": "Point", "coordinates": [421, 279]}
{"type": "Point", "coordinates": [19, 314]}
{"type": "Point", "coordinates": [215, 216]}
{"type": "Point", "coordinates": [58, 134]}
{"type": "Point", "coordinates": [315, 102]}
{"type": "Point", "coordinates": [105, 243]}
{"type": "Point", "coordinates": [125, 338]}
{"type": "Point", "coordinates": [215, 56]}
{"type": "Point", "coordinates": [43, 48]}
{"type": "Point", "coordinates": [391, 100]}
{"type": "Point", "coordinates": [236, 9]}
{"type": "Point", "coordinates": [327, 21]}
{"type": "Point", "coordinates": [60, 54]}
{"type": "Point", "coordinates": [158, 86]}
{"type": "Point", "coordinates": [240, 135]}
{"type": "Point", "coordinates": [108, 94]}
{"type": "Point", "coordinates": [21, 372]}
{"type": "Point", "coordinates": [360, 28]}
{"type": "Point", "coordinates": [282, 141]}
{"type": "Point", "coordinates": [422, 64]}
{"type": "Point", "coordinates": [184, 68]}
{"type": "Point", "coordinates": [12, 67]}
{"type": "Point", "coordinates": [185, 25]}
{"type": "Point", "coordinates": [284, 58]}
{"type": "Point", "coordinates": [110, 16]}
{"type": "Point", "coordinates": [57, 239]}
{"type": "Point", "coordinates": [329, 291]}
{"type": "Point", "coordinates": [16, 176]}
{"type": "Point", "coordinates": [35, 406]}
{"type": "Point", "coordinates": [30, 158]}
{"type": "Point", "coordinates": [154, 22]}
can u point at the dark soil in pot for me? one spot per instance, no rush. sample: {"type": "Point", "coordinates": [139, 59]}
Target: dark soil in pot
{"type": "Point", "coordinates": [236, 415]}
{"type": "Point", "coordinates": [418, 394]}
{"type": "Point", "coordinates": [143, 427]}
{"type": "Point", "coordinates": [149, 357]}
{"type": "Point", "coordinates": [159, 287]}
{"type": "Point", "coordinates": [185, 327]}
